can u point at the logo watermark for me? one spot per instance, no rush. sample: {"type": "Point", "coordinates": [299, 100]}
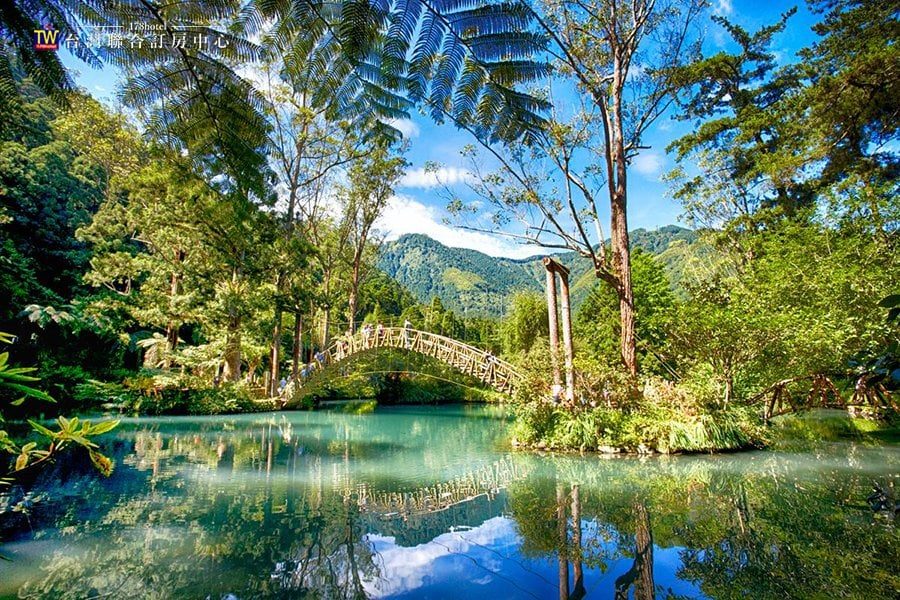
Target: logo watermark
{"type": "Point", "coordinates": [46, 38]}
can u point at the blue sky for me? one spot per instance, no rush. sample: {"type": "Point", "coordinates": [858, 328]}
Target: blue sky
{"type": "Point", "coordinates": [419, 205]}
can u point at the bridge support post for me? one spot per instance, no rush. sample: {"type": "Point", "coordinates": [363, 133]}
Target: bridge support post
{"type": "Point", "coordinates": [554, 269]}
{"type": "Point", "coordinates": [554, 328]}
{"type": "Point", "coordinates": [567, 336]}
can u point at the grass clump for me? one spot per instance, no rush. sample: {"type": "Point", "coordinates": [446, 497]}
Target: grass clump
{"type": "Point", "coordinates": [826, 425]}
{"type": "Point", "coordinates": [664, 419]}
{"type": "Point", "coordinates": [643, 430]}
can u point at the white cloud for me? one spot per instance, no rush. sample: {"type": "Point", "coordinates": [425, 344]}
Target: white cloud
{"type": "Point", "coordinates": [648, 163]}
{"type": "Point", "coordinates": [723, 7]}
{"type": "Point", "coordinates": [427, 179]}
{"type": "Point", "coordinates": [407, 215]}
{"type": "Point", "coordinates": [407, 127]}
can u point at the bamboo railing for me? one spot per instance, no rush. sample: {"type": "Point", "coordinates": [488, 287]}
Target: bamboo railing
{"type": "Point", "coordinates": [484, 366]}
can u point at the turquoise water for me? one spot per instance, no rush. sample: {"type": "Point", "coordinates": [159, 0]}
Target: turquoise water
{"type": "Point", "coordinates": [431, 503]}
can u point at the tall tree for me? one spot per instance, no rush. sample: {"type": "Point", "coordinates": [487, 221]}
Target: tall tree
{"type": "Point", "coordinates": [772, 141]}
{"type": "Point", "coordinates": [370, 185]}
{"type": "Point", "coordinates": [306, 148]}
{"type": "Point", "coordinates": [620, 56]}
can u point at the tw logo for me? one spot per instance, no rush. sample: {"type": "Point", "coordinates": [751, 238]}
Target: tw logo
{"type": "Point", "coordinates": [46, 38]}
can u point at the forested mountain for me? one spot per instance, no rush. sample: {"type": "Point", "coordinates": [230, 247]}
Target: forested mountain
{"type": "Point", "coordinates": [473, 283]}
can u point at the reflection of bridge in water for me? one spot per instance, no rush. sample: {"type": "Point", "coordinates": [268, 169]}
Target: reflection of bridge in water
{"type": "Point", "coordinates": [480, 364]}
{"type": "Point", "coordinates": [421, 513]}
{"type": "Point", "coordinates": [486, 481]}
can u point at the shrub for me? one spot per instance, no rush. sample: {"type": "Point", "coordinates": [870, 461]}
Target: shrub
{"type": "Point", "coordinates": [666, 418]}
{"type": "Point", "coordinates": [535, 420]}
{"type": "Point", "coordinates": [164, 394]}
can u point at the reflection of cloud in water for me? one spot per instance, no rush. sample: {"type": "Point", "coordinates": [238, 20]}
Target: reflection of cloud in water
{"type": "Point", "coordinates": [485, 562]}
{"type": "Point", "coordinates": [458, 564]}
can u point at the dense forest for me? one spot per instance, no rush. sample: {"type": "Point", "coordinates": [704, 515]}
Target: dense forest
{"type": "Point", "coordinates": [190, 259]}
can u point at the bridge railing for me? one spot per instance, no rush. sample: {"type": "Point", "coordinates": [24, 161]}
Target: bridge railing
{"type": "Point", "coordinates": [483, 365]}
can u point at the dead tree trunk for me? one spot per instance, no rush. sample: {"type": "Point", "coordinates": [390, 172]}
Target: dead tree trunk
{"type": "Point", "coordinates": [567, 337]}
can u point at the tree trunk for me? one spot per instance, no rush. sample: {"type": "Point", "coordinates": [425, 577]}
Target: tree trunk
{"type": "Point", "coordinates": [233, 349]}
{"type": "Point", "coordinates": [275, 353]}
{"type": "Point", "coordinates": [326, 317]}
{"type": "Point", "coordinates": [552, 319]}
{"type": "Point", "coordinates": [233, 341]}
{"type": "Point", "coordinates": [621, 249]}
{"type": "Point", "coordinates": [622, 261]}
{"type": "Point", "coordinates": [353, 298]}
{"type": "Point", "coordinates": [298, 344]}
{"type": "Point", "coordinates": [172, 326]}
{"type": "Point", "coordinates": [566, 313]}
{"type": "Point", "coordinates": [326, 324]}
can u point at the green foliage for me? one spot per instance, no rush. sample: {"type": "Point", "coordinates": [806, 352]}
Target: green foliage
{"type": "Point", "coordinates": [526, 321]}
{"type": "Point", "coordinates": [68, 433]}
{"type": "Point", "coordinates": [359, 408]}
{"type": "Point", "coordinates": [597, 319]}
{"type": "Point", "coordinates": [776, 140]}
{"type": "Point", "coordinates": [219, 114]}
{"type": "Point", "coordinates": [652, 426]}
{"type": "Point", "coordinates": [807, 302]}
{"type": "Point", "coordinates": [795, 431]}
{"type": "Point", "coordinates": [16, 380]}
{"type": "Point", "coordinates": [384, 293]}
{"type": "Point", "coordinates": [166, 395]}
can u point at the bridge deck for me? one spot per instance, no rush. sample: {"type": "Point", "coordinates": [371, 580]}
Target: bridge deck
{"type": "Point", "coordinates": [484, 366]}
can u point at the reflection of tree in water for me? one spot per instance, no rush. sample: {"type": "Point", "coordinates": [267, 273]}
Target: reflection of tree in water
{"type": "Point", "coordinates": [171, 536]}
{"type": "Point", "coordinates": [773, 531]}
{"type": "Point", "coordinates": [272, 513]}
{"type": "Point", "coordinates": [176, 531]}
{"type": "Point", "coordinates": [555, 527]}
{"type": "Point", "coordinates": [258, 541]}
{"type": "Point", "coordinates": [640, 575]}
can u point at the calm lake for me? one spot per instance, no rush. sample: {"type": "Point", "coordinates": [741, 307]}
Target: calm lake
{"type": "Point", "coordinates": [430, 502]}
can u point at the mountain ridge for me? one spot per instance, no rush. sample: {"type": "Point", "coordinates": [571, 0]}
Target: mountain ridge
{"type": "Point", "coordinates": [473, 283]}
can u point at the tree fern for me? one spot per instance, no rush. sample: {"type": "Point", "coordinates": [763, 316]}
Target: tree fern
{"type": "Point", "coordinates": [18, 57]}
{"type": "Point", "coordinates": [373, 61]}
{"type": "Point", "coordinates": [463, 60]}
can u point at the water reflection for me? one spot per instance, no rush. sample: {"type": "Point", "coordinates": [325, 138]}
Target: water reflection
{"type": "Point", "coordinates": [426, 503]}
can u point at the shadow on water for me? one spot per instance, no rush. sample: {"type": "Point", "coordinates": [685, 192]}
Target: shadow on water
{"type": "Point", "coordinates": [402, 505]}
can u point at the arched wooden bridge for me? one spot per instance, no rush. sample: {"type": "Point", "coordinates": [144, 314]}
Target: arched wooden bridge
{"type": "Point", "coordinates": [484, 366]}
